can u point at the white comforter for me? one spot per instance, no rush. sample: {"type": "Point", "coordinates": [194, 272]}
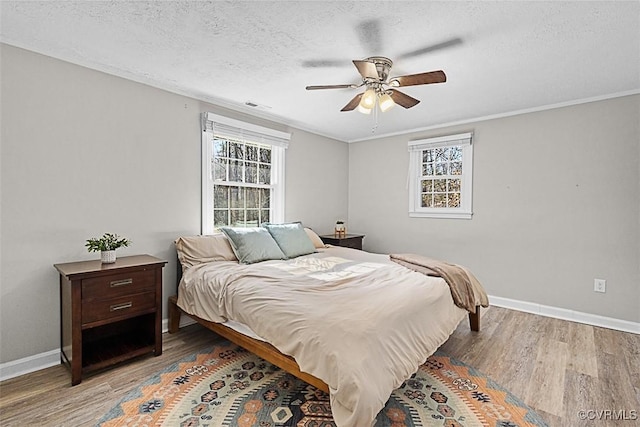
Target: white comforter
{"type": "Point", "coordinates": [356, 320]}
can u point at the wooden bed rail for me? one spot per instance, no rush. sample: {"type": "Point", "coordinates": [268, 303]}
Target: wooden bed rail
{"type": "Point", "coordinates": [264, 350]}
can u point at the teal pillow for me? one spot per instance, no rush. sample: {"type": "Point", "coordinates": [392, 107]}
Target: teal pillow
{"type": "Point", "coordinates": [252, 244]}
{"type": "Point", "coordinates": [291, 238]}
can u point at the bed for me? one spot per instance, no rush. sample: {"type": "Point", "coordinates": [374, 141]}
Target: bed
{"type": "Point", "coordinates": [351, 323]}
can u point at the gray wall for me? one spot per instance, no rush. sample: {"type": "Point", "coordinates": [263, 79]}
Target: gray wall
{"type": "Point", "coordinates": [556, 204]}
{"type": "Point", "coordinates": [83, 153]}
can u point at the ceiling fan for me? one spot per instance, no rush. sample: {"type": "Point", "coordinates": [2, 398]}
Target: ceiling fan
{"type": "Point", "coordinates": [380, 89]}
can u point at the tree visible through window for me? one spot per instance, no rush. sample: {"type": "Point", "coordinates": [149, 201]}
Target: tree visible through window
{"type": "Point", "coordinates": [441, 177]}
{"type": "Point", "coordinates": [241, 183]}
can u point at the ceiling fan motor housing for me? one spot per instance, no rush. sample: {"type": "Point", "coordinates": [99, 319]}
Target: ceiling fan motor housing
{"type": "Point", "coordinates": [383, 66]}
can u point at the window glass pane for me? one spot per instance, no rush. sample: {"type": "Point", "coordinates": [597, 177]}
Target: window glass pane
{"type": "Point", "coordinates": [427, 186]}
{"type": "Point", "coordinates": [251, 152]}
{"type": "Point", "coordinates": [440, 185]}
{"type": "Point", "coordinates": [236, 150]}
{"type": "Point", "coordinates": [442, 154]}
{"type": "Point", "coordinates": [252, 195]}
{"type": "Point", "coordinates": [264, 216]}
{"type": "Point", "coordinates": [265, 154]}
{"type": "Point", "coordinates": [220, 218]}
{"type": "Point", "coordinates": [236, 196]}
{"type": "Point", "coordinates": [454, 185]}
{"type": "Point", "coordinates": [427, 200]}
{"type": "Point", "coordinates": [427, 156]}
{"type": "Point", "coordinates": [220, 147]}
{"type": "Point", "coordinates": [455, 153]}
{"type": "Point", "coordinates": [220, 169]}
{"type": "Point", "coordinates": [427, 169]}
{"type": "Point", "coordinates": [456, 168]}
{"type": "Point", "coordinates": [265, 198]}
{"type": "Point", "coordinates": [264, 176]}
{"type": "Point", "coordinates": [251, 172]}
{"type": "Point", "coordinates": [237, 218]}
{"type": "Point", "coordinates": [253, 218]}
{"type": "Point", "coordinates": [235, 171]}
{"type": "Point", "coordinates": [453, 200]}
{"type": "Point", "coordinates": [439, 200]}
{"type": "Point", "coordinates": [441, 169]}
{"type": "Point", "coordinates": [220, 197]}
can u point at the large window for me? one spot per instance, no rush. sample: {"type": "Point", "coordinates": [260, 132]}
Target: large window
{"type": "Point", "coordinates": [243, 173]}
{"type": "Point", "coordinates": [440, 184]}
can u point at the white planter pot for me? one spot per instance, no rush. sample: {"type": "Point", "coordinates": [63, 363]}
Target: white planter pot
{"type": "Point", "coordinates": [108, 257]}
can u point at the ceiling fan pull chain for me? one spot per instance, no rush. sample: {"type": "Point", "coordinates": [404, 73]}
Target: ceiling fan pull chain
{"type": "Point", "coordinates": [375, 120]}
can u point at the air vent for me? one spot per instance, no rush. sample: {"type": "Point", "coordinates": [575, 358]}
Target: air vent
{"type": "Point", "coordinates": [256, 105]}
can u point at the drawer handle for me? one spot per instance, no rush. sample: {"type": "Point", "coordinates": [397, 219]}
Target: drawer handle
{"type": "Point", "coordinates": [122, 306]}
{"type": "Point", "coordinates": [117, 283]}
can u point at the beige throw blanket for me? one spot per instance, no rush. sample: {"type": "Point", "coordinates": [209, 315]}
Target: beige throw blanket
{"type": "Point", "coordinates": [466, 290]}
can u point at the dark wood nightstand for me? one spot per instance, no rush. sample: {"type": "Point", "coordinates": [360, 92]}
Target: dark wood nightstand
{"type": "Point", "coordinates": [109, 312]}
{"type": "Point", "coordinates": [348, 241]}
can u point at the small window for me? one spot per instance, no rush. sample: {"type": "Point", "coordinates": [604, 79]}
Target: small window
{"type": "Point", "coordinates": [242, 173]}
{"type": "Point", "coordinates": [440, 177]}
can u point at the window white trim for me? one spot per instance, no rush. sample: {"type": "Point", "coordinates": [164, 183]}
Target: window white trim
{"type": "Point", "coordinates": [232, 127]}
{"type": "Point", "coordinates": [279, 141]}
{"type": "Point", "coordinates": [416, 149]}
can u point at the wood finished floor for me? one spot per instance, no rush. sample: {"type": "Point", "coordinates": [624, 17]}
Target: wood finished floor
{"type": "Point", "coordinates": [556, 367]}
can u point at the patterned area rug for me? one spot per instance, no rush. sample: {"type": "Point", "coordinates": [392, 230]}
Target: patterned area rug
{"type": "Point", "coordinates": [225, 385]}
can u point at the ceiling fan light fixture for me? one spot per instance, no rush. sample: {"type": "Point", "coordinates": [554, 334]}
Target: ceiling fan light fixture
{"type": "Point", "coordinates": [386, 102]}
{"type": "Point", "coordinates": [368, 99]}
{"type": "Point", "coordinates": [364, 110]}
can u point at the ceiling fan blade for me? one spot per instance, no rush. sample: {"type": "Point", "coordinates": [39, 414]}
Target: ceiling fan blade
{"type": "Point", "coordinates": [402, 99]}
{"type": "Point", "coordinates": [442, 45]}
{"type": "Point", "coordinates": [419, 79]}
{"type": "Point", "coordinates": [331, 87]}
{"type": "Point", "coordinates": [353, 103]}
{"type": "Point", "coordinates": [366, 69]}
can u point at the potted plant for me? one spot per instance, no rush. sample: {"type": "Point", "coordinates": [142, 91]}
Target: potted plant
{"type": "Point", "coordinates": [107, 245]}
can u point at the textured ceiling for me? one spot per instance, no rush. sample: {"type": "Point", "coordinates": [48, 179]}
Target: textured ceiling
{"type": "Point", "coordinates": [499, 57]}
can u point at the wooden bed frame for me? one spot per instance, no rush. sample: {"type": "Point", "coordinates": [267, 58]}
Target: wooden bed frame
{"type": "Point", "coordinates": [260, 348]}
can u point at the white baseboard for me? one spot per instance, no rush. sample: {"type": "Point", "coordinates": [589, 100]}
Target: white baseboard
{"type": "Point", "coordinates": [51, 358]}
{"type": "Point", "coordinates": [184, 321]}
{"type": "Point", "coordinates": [40, 361]}
{"type": "Point", "coordinates": [566, 314]}
{"type": "Point", "coordinates": [15, 368]}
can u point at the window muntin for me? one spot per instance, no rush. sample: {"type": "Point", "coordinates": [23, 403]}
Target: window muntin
{"type": "Point", "coordinates": [440, 177]}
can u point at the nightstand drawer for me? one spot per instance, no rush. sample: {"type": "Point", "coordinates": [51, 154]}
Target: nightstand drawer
{"type": "Point", "coordinates": [128, 305]}
{"type": "Point", "coordinates": [118, 284]}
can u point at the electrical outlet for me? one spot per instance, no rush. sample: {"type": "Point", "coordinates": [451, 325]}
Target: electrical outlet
{"type": "Point", "coordinates": [599, 285]}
